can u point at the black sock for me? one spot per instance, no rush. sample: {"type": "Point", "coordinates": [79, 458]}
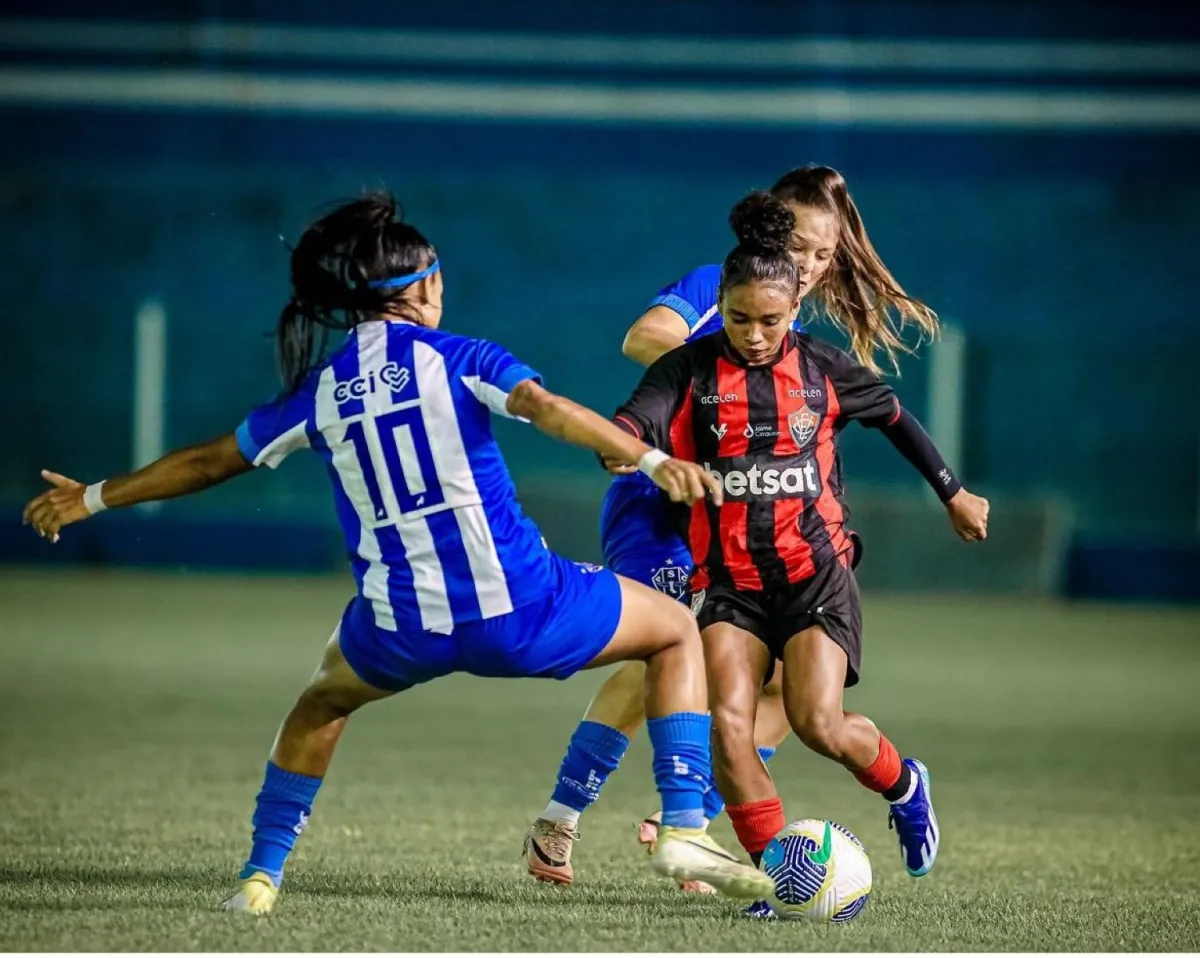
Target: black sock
{"type": "Point", "coordinates": [899, 790]}
{"type": "Point", "coordinates": [756, 857]}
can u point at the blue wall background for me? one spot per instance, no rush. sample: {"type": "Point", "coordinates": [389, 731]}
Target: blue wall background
{"type": "Point", "coordinates": [1066, 255]}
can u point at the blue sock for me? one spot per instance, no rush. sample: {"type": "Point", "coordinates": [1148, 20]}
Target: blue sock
{"type": "Point", "coordinates": [593, 753]}
{"type": "Point", "coordinates": [280, 814]}
{"type": "Point", "coordinates": [682, 765]}
{"type": "Point", "coordinates": [714, 804]}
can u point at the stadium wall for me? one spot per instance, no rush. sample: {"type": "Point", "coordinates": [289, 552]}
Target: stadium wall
{"type": "Point", "coordinates": [1036, 191]}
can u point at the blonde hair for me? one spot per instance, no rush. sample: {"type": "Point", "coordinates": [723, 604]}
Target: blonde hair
{"type": "Point", "coordinates": [858, 292]}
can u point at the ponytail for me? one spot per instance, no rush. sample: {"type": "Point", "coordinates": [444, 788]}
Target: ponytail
{"type": "Point", "coordinates": [336, 271]}
{"type": "Point", "coordinates": [859, 294]}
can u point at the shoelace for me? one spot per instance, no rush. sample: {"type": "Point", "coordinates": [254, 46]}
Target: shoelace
{"type": "Point", "coordinates": [559, 839]}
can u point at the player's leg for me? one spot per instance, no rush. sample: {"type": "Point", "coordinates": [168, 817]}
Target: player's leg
{"type": "Point", "coordinates": [658, 559]}
{"type": "Point", "coordinates": [298, 762]}
{"type": "Point", "coordinates": [661, 633]}
{"type": "Point", "coordinates": [737, 661]}
{"type": "Point", "coordinates": [770, 729]}
{"type": "Point", "coordinates": [664, 634]}
{"type": "Point", "coordinates": [816, 669]}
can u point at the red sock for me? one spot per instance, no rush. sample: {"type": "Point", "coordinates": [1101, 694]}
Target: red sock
{"type": "Point", "coordinates": [756, 823]}
{"type": "Point", "coordinates": [885, 771]}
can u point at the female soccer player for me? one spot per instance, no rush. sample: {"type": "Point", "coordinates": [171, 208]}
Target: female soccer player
{"type": "Point", "coordinates": [761, 406]}
{"type": "Point", "coordinates": [451, 575]}
{"type": "Point", "coordinates": [837, 264]}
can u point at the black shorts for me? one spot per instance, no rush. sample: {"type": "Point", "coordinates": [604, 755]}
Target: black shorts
{"type": "Point", "coordinates": [828, 599]}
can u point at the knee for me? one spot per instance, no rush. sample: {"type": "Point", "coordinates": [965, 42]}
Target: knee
{"type": "Point", "coordinates": [820, 730]}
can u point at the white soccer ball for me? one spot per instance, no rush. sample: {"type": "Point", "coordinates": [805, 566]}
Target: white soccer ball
{"type": "Point", "coordinates": [821, 872]}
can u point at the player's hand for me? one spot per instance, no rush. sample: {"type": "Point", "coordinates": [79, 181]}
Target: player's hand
{"type": "Point", "coordinates": [687, 482]}
{"type": "Point", "coordinates": [57, 507]}
{"type": "Point", "coordinates": [617, 467]}
{"type": "Point", "coordinates": [968, 515]}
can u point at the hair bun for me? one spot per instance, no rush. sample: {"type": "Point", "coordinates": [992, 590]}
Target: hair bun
{"type": "Point", "coordinates": [761, 221]}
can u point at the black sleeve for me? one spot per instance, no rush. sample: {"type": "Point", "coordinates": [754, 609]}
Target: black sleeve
{"type": "Point", "coordinates": [647, 413]}
{"type": "Point", "coordinates": [913, 442]}
{"type": "Point", "coordinates": [861, 394]}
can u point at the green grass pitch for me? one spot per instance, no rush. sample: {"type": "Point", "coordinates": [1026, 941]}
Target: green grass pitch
{"type": "Point", "coordinates": [136, 712]}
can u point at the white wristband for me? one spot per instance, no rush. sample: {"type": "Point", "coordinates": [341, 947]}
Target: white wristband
{"type": "Point", "coordinates": [93, 501]}
{"type": "Point", "coordinates": [651, 461]}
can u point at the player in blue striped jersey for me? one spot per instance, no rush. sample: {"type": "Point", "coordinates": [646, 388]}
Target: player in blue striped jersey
{"type": "Point", "coordinates": [451, 575]}
{"type": "Point", "coordinates": [842, 273]}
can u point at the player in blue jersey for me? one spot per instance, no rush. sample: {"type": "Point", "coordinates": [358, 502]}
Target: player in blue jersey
{"type": "Point", "coordinates": [841, 278]}
{"type": "Point", "coordinates": [451, 576]}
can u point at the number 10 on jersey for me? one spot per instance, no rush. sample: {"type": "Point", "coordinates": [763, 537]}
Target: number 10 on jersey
{"type": "Point", "coordinates": [396, 462]}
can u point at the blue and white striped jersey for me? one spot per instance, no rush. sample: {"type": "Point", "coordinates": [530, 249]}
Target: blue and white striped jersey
{"type": "Point", "coordinates": [400, 414]}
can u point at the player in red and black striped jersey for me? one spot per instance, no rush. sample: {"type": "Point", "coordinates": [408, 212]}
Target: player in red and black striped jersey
{"type": "Point", "coordinates": [761, 407]}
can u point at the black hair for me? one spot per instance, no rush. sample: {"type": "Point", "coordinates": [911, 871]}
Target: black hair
{"type": "Point", "coordinates": [331, 268]}
{"type": "Point", "coordinates": [763, 225]}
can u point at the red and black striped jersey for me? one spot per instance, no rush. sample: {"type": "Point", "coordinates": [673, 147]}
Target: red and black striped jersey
{"type": "Point", "coordinates": [769, 433]}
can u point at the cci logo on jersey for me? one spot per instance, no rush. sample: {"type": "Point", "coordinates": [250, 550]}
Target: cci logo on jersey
{"type": "Point", "coordinates": [392, 375]}
{"type": "Point", "coordinates": [802, 424]}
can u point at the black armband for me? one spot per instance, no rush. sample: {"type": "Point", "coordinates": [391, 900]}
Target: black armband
{"type": "Point", "coordinates": [913, 443]}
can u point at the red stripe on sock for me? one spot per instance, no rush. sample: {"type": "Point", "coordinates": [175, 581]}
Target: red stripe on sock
{"type": "Point", "coordinates": [756, 823]}
{"type": "Point", "coordinates": [884, 772]}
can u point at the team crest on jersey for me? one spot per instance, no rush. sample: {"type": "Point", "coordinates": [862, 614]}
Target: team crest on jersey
{"type": "Point", "coordinates": [671, 580]}
{"type": "Point", "coordinates": [698, 601]}
{"type": "Point", "coordinates": [802, 424]}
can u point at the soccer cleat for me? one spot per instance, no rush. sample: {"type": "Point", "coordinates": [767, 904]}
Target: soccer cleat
{"type": "Point", "coordinates": [690, 854]}
{"type": "Point", "coordinates": [648, 836]}
{"type": "Point", "coordinates": [548, 851]}
{"type": "Point", "coordinates": [760, 911]}
{"type": "Point", "coordinates": [255, 896]}
{"type": "Point", "coordinates": [916, 825]}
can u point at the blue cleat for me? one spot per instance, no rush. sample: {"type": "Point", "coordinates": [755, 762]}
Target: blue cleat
{"type": "Point", "coordinates": [916, 825]}
{"type": "Point", "coordinates": [760, 911]}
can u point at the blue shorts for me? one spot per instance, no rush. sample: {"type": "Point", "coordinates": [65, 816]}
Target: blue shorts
{"type": "Point", "coordinates": [640, 537]}
{"type": "Point", "coordinates": [554, 637]}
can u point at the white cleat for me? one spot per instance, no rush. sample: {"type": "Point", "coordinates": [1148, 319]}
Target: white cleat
{"type": "Point", "coordinates": [690, 854]}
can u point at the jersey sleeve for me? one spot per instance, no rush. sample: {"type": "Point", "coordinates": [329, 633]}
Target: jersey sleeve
{"type": "Point", "coordinates": [647, 413]}
{"type": "Point", "coordinates": [861, 394]}
{"type": "Point", "coordinates": [694, 296]}
{"type": "Point", "coordinates": [273, 431]}
{"type": "Point", "coordinates": [497, 373]}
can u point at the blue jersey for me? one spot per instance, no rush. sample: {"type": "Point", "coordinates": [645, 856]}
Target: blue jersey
{"type": "Point", "coordinates": [400, 415]}
{"type": "Point", "coordinates": [694, 297]}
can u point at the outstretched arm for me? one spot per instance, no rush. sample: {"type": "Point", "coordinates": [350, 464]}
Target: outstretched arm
{"type": "Point", "coordinates": [568, 421]}
{"type": "Point", "coordinates": [968, 512]}
{"type": "Point", "coordinates": [178, 473]}
{"type": "Point", "coordinates": [863, 396]}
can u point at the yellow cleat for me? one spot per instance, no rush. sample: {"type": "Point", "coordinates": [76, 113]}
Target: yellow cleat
{"type": "Point", "coordinates": [648, 836]}
{"type": "Point", "coordinates": [690, 854]}
{"type": "Point", "coordinates": [255, 896]}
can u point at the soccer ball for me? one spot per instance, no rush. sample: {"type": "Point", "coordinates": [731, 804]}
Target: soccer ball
{"type": "Point", "coordinates": [821, 872]}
